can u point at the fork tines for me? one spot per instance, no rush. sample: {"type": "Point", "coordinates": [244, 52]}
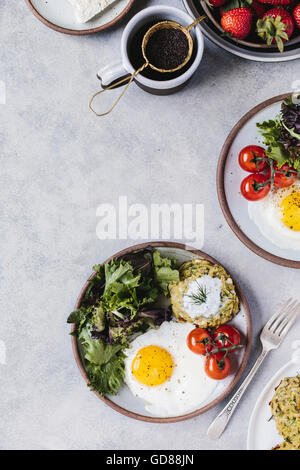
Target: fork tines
{"type": "Point", "coordinates": [281, 321]}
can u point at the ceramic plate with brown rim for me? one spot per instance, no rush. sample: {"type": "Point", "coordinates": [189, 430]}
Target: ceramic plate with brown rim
{"type": "Point", "coordinates": [128, 404]}
{"type": "Point", "coordinates": [230, 176]}
{"type": "Point", "coordinates": [59, 15]}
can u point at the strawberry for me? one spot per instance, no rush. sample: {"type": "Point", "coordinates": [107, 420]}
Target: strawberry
{"type": "Point", "coordinates": [276, 26]}
{"type": "Point", "coordinates": [297, 15]}
{"type": "Point", "coordinates": [215, 3]}
{"type": "Point", "coordinates": [232, 4]}
{"type": "Point", "coordinates": [237, 22]}
{"type": "Point", "coordinates": [258, 8]}
{"type": "Point", "coordinates": [276, 2]}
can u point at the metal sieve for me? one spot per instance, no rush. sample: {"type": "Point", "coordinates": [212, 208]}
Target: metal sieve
{"type": "Point", "coordinates": [166, 24]}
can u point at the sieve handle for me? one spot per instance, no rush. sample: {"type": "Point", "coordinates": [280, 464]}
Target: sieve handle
{"type": "Point", "coordinates": [197, 21]}
{"type": "Point", "coordinates": [128, 79]}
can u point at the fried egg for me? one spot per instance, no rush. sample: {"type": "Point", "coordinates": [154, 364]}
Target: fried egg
{"type": "Point", "coordinates": [278, 216]}
{"type": "Point", "coordinates": [161, 370]}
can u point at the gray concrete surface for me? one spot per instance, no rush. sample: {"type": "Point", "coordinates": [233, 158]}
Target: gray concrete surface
{"type": "Point", "coordinates": [58, 163]}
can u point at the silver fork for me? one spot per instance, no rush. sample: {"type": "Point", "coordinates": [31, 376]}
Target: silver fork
{"type": "Point", "coordinates": [271, 337]}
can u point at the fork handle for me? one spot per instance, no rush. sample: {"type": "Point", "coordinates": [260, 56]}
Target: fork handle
{"type": "Point", "coordinates": [217, 427]}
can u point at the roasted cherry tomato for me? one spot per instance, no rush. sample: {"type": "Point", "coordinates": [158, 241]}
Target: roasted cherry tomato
{"type": "Point", "coordinates": [284, 176]}
{"type": "Point", "coordinates": [218, 366]}
{"type": "Point", "coordinates": [250, 153]}
{"type": "Point", "coordinates": [255, 187]}
{"type": "Point", "coordinates": [198, 339]}
{"type": "Point", "coordinates": [227, 337]}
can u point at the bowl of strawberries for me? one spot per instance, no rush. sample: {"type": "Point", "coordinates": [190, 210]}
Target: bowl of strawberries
{"type": "Point", "coordinates": [269, 27]}
{"type": "Point", "coordinates": [256, 23]}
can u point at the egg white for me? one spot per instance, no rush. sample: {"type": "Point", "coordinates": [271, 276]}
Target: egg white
{"type": "Point", "coordinates": [188, 386]}
{"type": "Point", "coordinates": [266, 214]}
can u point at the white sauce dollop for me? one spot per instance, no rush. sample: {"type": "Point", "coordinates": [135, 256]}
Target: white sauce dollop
{"type": "Point", "coordinates": [212, 287]}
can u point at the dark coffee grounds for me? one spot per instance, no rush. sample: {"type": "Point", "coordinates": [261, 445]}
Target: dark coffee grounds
{"type": "Point", "coordinates": [137, 60]}
{"type": "Point", "coordinates": [167, 48]}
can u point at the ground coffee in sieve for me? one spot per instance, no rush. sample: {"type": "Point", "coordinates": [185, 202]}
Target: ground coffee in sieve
{"type": "Point", "coordinates": [167, 48]}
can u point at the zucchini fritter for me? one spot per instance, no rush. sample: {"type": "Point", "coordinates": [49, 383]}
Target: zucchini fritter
{"type": "Point", "coordinates": [193, 270]}
{"type": "Point", "coordinates": [285, 406]}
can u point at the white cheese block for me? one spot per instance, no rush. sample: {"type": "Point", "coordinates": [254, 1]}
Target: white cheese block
{"type": "Point", "coordinates": [87, 9]}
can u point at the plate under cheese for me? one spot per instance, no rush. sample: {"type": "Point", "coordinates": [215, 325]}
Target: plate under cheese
{"type": "Point", "coordinates": [87, 9]}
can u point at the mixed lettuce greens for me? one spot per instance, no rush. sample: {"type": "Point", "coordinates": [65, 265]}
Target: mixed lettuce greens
{"type": "Point", "coordinates": [120, 302]}
{"type": "Point", "coordinates": [282, 135]}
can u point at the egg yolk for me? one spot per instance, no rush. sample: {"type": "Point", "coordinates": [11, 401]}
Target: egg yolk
{"type": "Point", "coordinates": [152, 366]}
{"type": "Point", "coordinates": [290, 208]}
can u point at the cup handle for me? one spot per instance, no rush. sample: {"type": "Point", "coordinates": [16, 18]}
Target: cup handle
{"type": "Point", "coordinates": [112, 74]}
{"type": "Point", "coordinates": [127, 80]}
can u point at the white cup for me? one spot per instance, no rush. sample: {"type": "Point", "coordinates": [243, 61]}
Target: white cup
{"type": "Point", "coordinates": [114, 72]}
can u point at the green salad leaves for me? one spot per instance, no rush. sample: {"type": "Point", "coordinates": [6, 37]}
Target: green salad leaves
{"type": "Point", "coordinates": [104, 362]}
{"type": "Point", "coordinates": [282, 135]}
{"type": "Point", "coordinates": [164, 272]}
{"type": "Point", "coordinates": [120, 302]}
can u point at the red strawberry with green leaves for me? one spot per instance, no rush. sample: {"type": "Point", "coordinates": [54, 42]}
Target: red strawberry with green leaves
{"type": "Point", "coordinates": [237, 22]}
{"type": "Point", "coordinates": [276, 2]}
{"type": "Point", "coordinates": [215, 3]}
{"type": "Point", "coordinates": [258, 8]}
{"type": "Point", "coordinates": [232, 4]}
{"type": "Point", "coordinates": [275, 27]}
{"type": "Point", "coordinates": [297, 15]}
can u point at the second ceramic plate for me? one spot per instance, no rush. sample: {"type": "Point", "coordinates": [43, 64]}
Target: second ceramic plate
{"type": "Point", "coordinates": [262, 432]}
{"type": "Point", "coordinates": [230, 176]}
